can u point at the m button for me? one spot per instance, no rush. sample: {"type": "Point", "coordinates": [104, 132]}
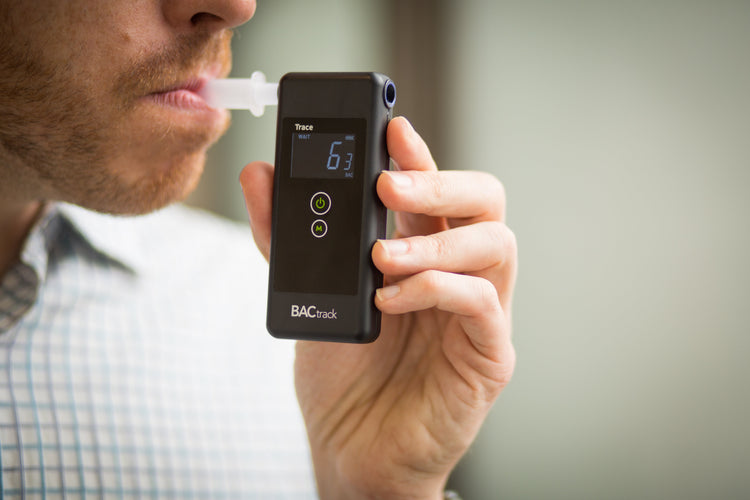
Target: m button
{"type": "Point", "coordinates": [319, 228]}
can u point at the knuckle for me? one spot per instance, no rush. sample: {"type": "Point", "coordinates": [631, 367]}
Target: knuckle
{"type": "Point", "coordinates": [436, 189]}
{"type": "Point", "coordinates": [496, 231]}
{"type": "Point", "coordinates": [441, 246]}
{"type": "Point", "coordinates": [499, 191]}
{"type": "Point", "coordinates": [496, 190]}
{"type": "Point", "coordinates": [503, 241]}
{"type": "Point", "coordinates": [432, 280]}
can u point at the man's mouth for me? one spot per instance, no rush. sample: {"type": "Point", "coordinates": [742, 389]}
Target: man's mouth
{"type": "Point", "coordinates": [185, 94]}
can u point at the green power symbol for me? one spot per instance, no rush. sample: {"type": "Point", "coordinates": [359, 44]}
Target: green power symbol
{"type": "Point", "coordinates": [320, 203]}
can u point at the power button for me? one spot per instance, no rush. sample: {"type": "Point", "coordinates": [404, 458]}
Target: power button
{"type": "Point", "coordinates": [320, 203]}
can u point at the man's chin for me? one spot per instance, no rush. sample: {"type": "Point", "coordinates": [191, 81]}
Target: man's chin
{"type": "Point", "coordinates": [162, 186]}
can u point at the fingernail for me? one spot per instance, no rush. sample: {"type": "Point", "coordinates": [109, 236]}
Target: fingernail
{"type": "Point", "coordinates": [400, 179]}
{"type": "Point", "coordinates": [394, 248]}
{"type": "Point", "coordinates": [388, 292]}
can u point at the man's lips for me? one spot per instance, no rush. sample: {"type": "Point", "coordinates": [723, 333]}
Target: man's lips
{"type": "Point", "coordinates": [193, 84]}
{"type": "Point", "coordinates": [186, 93]}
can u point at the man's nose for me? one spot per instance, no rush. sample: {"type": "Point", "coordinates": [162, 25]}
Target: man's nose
{"type": "Point", "coordinates": [208, 15]}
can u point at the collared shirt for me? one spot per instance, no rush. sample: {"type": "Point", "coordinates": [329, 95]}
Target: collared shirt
{"type": "Point", "coordinates": [134, 363]}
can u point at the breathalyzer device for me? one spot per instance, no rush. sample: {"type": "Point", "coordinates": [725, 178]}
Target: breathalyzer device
{"type": "Point", "coordinates": [326, 216]}
{"type": "Point", "coordinates": [330, 149]}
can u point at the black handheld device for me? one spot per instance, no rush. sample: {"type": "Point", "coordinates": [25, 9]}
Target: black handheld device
{"type": "Point", "coordinates": [330, 149]}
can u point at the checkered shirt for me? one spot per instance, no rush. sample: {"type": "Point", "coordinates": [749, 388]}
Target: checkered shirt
{"type": "Point", "coordinates": [134, 363]}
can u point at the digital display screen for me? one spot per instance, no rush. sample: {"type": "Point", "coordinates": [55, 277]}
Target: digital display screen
{"type": "Point", "coordinates": [323, 155]}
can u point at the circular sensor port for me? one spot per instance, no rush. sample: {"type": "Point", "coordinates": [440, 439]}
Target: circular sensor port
{"type": "Point", "coordinates": [389, 94]}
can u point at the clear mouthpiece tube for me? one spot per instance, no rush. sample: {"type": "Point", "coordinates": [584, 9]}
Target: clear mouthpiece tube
{"type": "Point", "coordinates": [252, 93]}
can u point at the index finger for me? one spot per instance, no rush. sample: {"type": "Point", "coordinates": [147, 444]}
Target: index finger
{"type": "Point", "coordinates": [427, 200]}
{"type": "Point", "coordinates": [406, 147]}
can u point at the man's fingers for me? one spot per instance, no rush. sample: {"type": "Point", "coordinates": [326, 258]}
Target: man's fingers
{"type": "Point", "coordinates": [409, 152]}
{"type": "Point", "coordinates": [463, 249]}
{"type": "Point", "coordinates": [461, 197]}
{"type": "Point", "coordinates": [485, 249]}
{"type": "Point", "coordinates": [406, 148]}
{"type": "Point", "coordinates": [256, 180]}
{"type": "Point", "coordinates": [473, 299]}
{"type": "Point", "coordinates": [428, 201]}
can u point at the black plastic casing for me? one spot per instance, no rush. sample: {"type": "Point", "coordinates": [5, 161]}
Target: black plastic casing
{"type": "Point", "coordinates": [333, 273]}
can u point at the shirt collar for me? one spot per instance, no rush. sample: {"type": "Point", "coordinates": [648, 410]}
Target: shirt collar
{"type": "Point", "coordinates": [115, 237]}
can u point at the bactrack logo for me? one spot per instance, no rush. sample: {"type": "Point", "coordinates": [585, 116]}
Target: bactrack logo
{"type": "Point", "coordinates": [312, 312]}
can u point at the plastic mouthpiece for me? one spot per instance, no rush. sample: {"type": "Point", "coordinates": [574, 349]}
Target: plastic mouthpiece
{"type": "Point", "coordinates": [251, 93]}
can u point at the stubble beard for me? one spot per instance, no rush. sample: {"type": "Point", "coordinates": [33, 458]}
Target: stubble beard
{"type": "Point", "coordinates": [66, 147]}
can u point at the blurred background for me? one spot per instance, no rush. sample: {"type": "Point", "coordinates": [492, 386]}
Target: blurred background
{"type": "Point", "coordinates": [621, 131]}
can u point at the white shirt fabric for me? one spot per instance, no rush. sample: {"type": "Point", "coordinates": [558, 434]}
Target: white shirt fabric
{"type": "Point", "coordinates": [134, 363]}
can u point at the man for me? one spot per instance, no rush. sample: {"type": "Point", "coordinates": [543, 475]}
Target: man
{"type": "Point", "coordinates": [126, 372]}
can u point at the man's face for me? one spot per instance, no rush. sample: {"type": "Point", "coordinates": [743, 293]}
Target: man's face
{"type": "Point", "coordinates": [97, 97]}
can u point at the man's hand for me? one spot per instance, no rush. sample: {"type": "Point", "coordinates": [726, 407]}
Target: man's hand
{"type": "Point", "coordinates": [391, 419]}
